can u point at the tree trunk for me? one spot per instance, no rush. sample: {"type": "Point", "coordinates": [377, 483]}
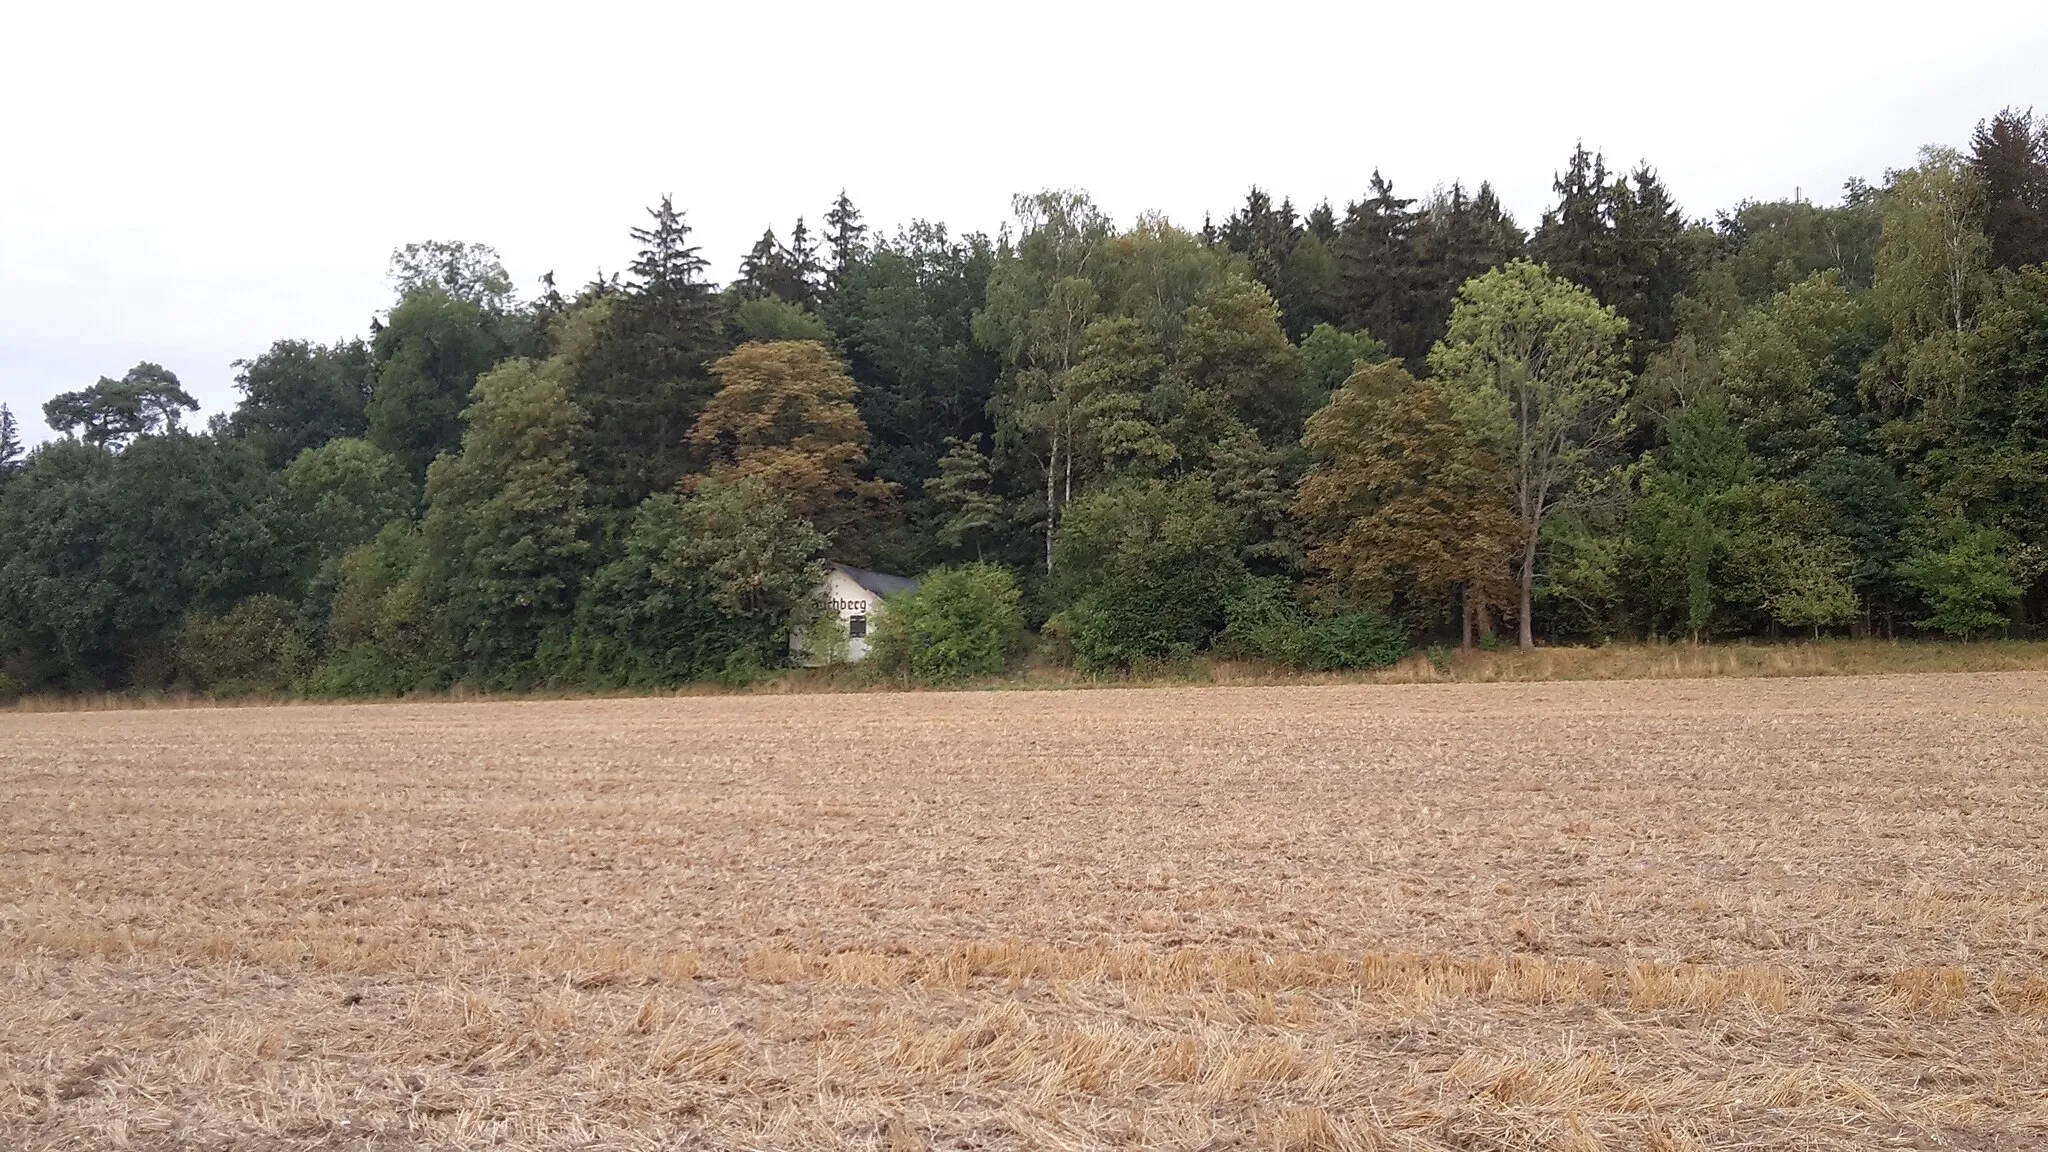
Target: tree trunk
{"type": "Point", "coordinates": [1526, 624]}
{"type": "Point", "coordinates": [1067, 496]}
{"type": "Point", "coordinates": [1051, 478]}
{"type": "Point", "coordinates": [1468, 610]}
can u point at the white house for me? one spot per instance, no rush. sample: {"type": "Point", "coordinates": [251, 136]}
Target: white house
{"type": "Point", "coordinates": [857, 596]}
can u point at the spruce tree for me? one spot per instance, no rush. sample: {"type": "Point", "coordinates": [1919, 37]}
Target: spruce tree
{"type": "Point", "coordinates": [771, 270]}
{"type": "Point", "coordinates": [1458, 237]}
{"type": "Point", "coordinates": [802, 269]}
{"type": "Point", "coordinates": [1652, 268]}
{"type": "Point", "coordinates": [547, 312]}
{"type": "Point", "coordinates": [2010, 157]}
{"type": "Point", "coordinates": [1322, 221]}
{"type": "Point", "coordinates": [642, 378]}
{"type": "Point", "coordinates": [1271, 239]}
{"type": "Point", "coordinates": [1623, 239]}
{"type": "Point", "coordinates": [845, 241]}
{"type": "Point", "coordinates": [10, 446]}
{"type": "Point", "coordinates": [667, 260]}
{"type": "Point", "coordinates": [1265, 235]}
{"type": "Point", "coordinates": [1378, 271]}
{"type": "Point", "coordinates": [760, 268]}
{"type": "Point", "coordinates": [1312, 277]}
{"type": "Point", "coordinates": [1576, 238]}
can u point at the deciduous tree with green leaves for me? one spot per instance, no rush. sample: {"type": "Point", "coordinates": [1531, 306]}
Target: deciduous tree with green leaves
{"type": "Point", "coordinates": [429, 350]}
{"type": "Point", "coordinates": [709, 586]}
{"type": "Point", "coordinates": [334, 499]}
{"type": "Point", "coordinates": [1113, 385]}
{"type": "Point", "coordinates": [102, 554]}
{"type": "Point", "coordinates": [1968, 576]}
{"type": "Point", "coordinates": [464, 271]}
{"type": "Point", "coordinates": [1790, 367]}
{"type": "Point", "coordinates": [1712, 545]}
{"type": "Point", "coordinates": [504, 532]}
{"type": "Point", "coordinates": [1931, 275]}
{"type": "Point", "coordinates": [1536, 363]}
{"type": "Point", "coordinates": [1232, 345]}
{"type": "Point", "coordinates": [297, 395]}
{"type": "Point", "coordinates": [1041, 299]}
{"type": "Point", "coordinates": [1329, 355]}
{"type": "Point", "coordinates": [767, 319]}
{"type": "Point", "coordinates": [1145, 570]}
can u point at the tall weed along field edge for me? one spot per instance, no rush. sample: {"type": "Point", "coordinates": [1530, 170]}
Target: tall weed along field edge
{"type": "Point", "coordinates": [1669, 915]}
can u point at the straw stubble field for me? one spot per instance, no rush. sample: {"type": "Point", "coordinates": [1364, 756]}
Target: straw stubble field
{"type": "Point", "coordinates": [1795, 913]}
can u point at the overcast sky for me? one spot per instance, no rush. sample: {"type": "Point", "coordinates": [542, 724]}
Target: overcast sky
{"type": "Point", "coordinates": [186, 183]}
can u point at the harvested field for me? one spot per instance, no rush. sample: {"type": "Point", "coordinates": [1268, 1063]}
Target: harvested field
{"type": "Point", "coordinates": [1669, 915]}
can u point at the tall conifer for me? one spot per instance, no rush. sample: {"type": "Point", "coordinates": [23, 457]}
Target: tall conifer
{"type": "Point", "coordinates": [1376, 261]}
{"type": "Point", "coordinates": [846, 240]}
{"type": "Point", "coordinates": [10, 446]}
{"type": "Point", "coordinates": [642, 379]}
{"type": "Point", "coordinates": [2010, 157]}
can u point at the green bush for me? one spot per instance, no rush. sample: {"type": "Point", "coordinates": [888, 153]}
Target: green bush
{"type": "Point", "coordinates": [1265, 621]}
{"type": "Point", "coordinates": [1145, 569]}
{"type": "Point", "coordinates": [358, 670]}
{"type": "Point", "coordinates": [254, 646]}
{"type": "Point", "coordinates": [1967, 577]}
{"type": "Point", "coordinates": [958, 623]}
{"type": "Point", "coordinates": [708, 587]}
{"type": "Point", "coordinates": [382, 639]}
{"type": "Point", "coordinates": [1439, 658]}
{"type": "Point", "coordinates": [634, 631]}
{"type": "Point", "coordinates": [1360, 640]}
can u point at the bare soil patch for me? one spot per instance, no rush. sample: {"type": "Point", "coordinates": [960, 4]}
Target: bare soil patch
{"type": "Point", "coordinates": [1797, 913]}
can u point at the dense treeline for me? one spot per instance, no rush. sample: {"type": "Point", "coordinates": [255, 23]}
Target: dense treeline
{"type": "Point", "coordinates": [1313, 437]}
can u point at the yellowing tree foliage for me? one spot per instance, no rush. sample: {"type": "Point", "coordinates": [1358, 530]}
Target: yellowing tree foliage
{"type": "Point", "coordinates": [1403, 506]}
{"type": "Point", "coordinates": [784, 412]}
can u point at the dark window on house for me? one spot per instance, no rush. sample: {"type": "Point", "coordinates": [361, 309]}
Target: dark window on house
{"type": "Point", "coordinates": [856, 627]}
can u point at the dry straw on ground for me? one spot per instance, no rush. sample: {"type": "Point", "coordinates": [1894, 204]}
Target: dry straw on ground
{"type": "Point", "coordinates": [1672, 915]}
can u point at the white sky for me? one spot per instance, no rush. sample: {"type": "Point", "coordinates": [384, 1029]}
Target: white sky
{"type": "Point", "coordinates": [187, 182]}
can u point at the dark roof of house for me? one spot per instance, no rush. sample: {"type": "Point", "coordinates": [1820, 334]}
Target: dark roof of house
{"type": "Point", "coordinates": [880, 583]}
